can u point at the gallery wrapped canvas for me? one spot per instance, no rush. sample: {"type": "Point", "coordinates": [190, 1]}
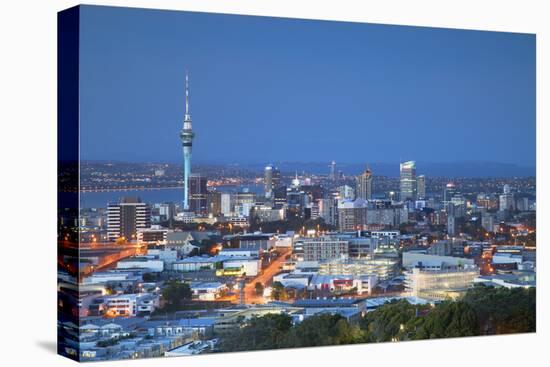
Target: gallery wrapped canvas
{"type": "Point", "coordinates": [237, 183]}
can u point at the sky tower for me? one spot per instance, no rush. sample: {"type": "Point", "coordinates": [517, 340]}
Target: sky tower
{"type": "Point", "coordinates": [186, 136]}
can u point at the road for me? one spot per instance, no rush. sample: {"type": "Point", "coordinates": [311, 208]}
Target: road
{"type": "Point", "coordinates": [265, 278]}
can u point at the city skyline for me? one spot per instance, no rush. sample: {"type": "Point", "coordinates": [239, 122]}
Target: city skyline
{"type": "Point", "coordinates": [408, 90]}
{"type": "Point", "coordinates": [161, 260]}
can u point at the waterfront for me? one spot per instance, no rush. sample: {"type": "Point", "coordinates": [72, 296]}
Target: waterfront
{"type": "Point", "coordinates": [103, 198]}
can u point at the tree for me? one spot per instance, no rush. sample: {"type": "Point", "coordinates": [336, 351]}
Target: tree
{"type": "Point", "coordinates": [259, 288]}
{"type": "Point", "coordinates": [150, 277]}
{"type": "Point", "coordinates": [396, 320]}
{"type": "Point", "coordinates": [266, 332]}
{"type": "Point", "coordinates": [503, 311]}
{"type": "Point", "coordinates": [276, 331]}
{"type": "Point", "coordinates": [324, 329]}
{"type": "Point", "coordinates": [449, 320]}
{"type": "Point", "coordinates": [278, 291]}
{"type": "Point", "coordinates": [176, 294]}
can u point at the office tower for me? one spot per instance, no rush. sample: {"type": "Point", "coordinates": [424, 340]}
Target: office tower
{"type": "Point", "coordinates": [522, 203]}
{"type": "Point", "coordinates": [421, 187]}
{"type": "Point", "coordinates": [226, 204]}
{"type": "Point", "coordinates": [198, 194]}
{"type": "Point", "coordinates": [332, 175]}
{"type": "Point", "coordinates": [506, 200]}
{"type": "Point", "coordinates": [163, 211]}
{"type": "Point", "coordinates": [392, 215]}
{"type": "Point", "coordinates": [488, 222]}
{"type": "Point", "coordinates": [346, 192]}
{"type": "Point", "coordinates": [268, 182]}
{"type": "Point", "coordinates": [451, 225]}
{"type": "Point", "coordinates": [363, 185]}
{"type": "Point", "coordinates": [408, 180]}
{"type": "Point", "coordinates": [186, 136]}
{"type": "Point", "coordinates": [214, 202]}
{"type": "Point", "coordinates": [487, 201]}
{"type": "Point", "coordinates": [279, 196]}
{"type": "Point", "coordinates": [275, 178]}
{"type": "Point", "coordinates": [449, 192]}
{"type": "Point", "coordinates": [126, 218]}
{"type": "Point", "coordinates": [352, 215]}
{"type": "Point", "coordinates": [328, 210]}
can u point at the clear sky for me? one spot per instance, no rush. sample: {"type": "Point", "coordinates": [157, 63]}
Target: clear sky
{"type": "Point", "coordinates": [272, 89]}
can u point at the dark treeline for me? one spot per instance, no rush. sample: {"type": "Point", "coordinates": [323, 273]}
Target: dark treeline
{"type": "Point", "coordinates": [482, 311]}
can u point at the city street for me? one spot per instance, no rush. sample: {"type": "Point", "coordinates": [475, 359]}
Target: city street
{"type": "Point", "coordinates": [264, 278]}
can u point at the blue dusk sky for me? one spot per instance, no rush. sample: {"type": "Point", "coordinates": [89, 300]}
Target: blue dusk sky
{"type": "Point", "coordinates": [272, 89]}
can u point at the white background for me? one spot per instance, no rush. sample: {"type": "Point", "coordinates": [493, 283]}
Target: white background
{"type": "Point", "coordinates": [28, 179]}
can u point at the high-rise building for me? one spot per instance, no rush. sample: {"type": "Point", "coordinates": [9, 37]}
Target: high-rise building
{"type": "Point", "coordinates": [487, 201]}
{"type": "Point", "coordinates": [279, 196]}
{"type": "Point", "coordinates": [449, 192]}
{"type": "Point", "coordinates": [363, 185]}
{"type": "Point", "coordinates": [346, 192]}
{"type": "Point", "coordinates": [332, 175]}
{"type": "Point", "coordinates": [214, 202]}
{"type": "Point", "coordinates": [198, 202]}
{"type": "Point", "coordinates": [407, 183]}
{"type": "Point", "coordinates": [488, 222]}
{"type": "Point", "coordinates": [522, 203]}
{"type": "Point", "coordinates": [451, 225]}
{"type": "Point", "coordinates": [421, 187]}
{"type": "Point", "coordinates": [161, 212]}
{"type": "Point", "coordinates": [352, 215]}
{"type": "Point", "coordinates": [268, 181]}
{"type": "Point", "coordinates": [506, 199]}
{"type": "Point", "coordinates": [126, 218]}
{"type": "Point", "coordinates": [328, 210]}
{"type": "Point", "coordinates": [275, 178]}
{"type": "Point", "coordinates": [226, 207]}
{"type": "Point", "coordinates": [186, 136]}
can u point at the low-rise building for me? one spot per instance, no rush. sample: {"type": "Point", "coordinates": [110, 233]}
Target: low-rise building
{"type": "Point", "coordinates": [440, 284]}
{"type": "Point", "coordinates": [128, 305]}
{"type": "Point", "coordinates": [145, 263]}
{"type": "Point", "coordinates": [207, 291]}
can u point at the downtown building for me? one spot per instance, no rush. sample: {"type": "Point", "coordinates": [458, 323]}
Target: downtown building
{"type": "Point", "coordinates": [352, 215]}
{"type": "Point", "coordinates": [214, 203]}
{"type": "Point", "coordinates": [385, 213]}
{"type": "Point", "coordinates": [322, 248]}
{"type": "Point", "coordinates": [407, 181]}
{"type": "Point", "coordinates": [421, 187]}
{"type": "Point", "coordinates": [328, 210]}
{"type": "Point", "coordinates": [363, 185]}
{"type": "Point", "coordinates": [265, 213]}
{"type": "Point", "coordinates": [384, 268]}
{"type": "Point", "coordinates": [198, 200]}
{"type": "Point", "coordinates": [506, 199]}
{"type": "Point", "coordinates": [438, 277]}
{"type": "Point", "coordinates": [272, 180]}
{"type": "Point", "coordinates": [268, 182]}
{"type": "Point", "coordinates": [449, 192]}
{"type": "Point", "coordinates": [127, 218]}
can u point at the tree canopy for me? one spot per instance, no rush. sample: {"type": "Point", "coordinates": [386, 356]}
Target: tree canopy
{"type": "Point", "coordinates": [481, 311]}
{"type": "Point", "coordinates": [175, 294]}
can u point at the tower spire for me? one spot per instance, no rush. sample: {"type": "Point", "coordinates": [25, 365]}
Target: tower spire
{"type": "Point", "coordinates": [187, 116]}
{"type": "Point", "coordinates": [186, 136]}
